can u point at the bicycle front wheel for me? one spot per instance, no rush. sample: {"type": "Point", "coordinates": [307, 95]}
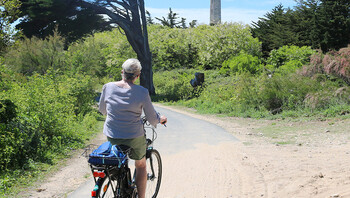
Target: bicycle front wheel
{"type": "Point", "coordinates": [154, 173]}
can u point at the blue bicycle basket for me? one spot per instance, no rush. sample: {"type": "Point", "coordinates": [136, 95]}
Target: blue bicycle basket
{"type": "Point", "coordinates": [107, 154]}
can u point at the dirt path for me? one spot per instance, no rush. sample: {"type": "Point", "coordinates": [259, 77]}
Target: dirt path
{"type": "Point", "coordinates": [273, 159]}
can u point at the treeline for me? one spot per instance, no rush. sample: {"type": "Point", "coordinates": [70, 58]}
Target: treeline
{"type": "Point", "coordinates": [320, 24]}
{"type": "Point", "coordinates": [226, 53]}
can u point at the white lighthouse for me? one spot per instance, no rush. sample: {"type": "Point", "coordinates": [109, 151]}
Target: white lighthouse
{"type": "Point", "coordinates": [215, 12]}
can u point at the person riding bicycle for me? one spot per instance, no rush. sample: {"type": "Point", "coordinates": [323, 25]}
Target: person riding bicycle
{"type": "Point", "coordinates": [123, 102]}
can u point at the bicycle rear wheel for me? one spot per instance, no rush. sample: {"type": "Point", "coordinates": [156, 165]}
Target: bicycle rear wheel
{"type": "Point", "coordinates": [107, 188]}
{"type": "Point", "coordinates": [154, 173]}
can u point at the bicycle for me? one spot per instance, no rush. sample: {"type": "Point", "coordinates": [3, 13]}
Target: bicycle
{"type": "Point", "coordinates": [115, 181]}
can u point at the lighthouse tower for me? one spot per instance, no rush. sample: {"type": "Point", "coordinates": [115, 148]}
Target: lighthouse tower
{"type": "Point", "coordinates": [215, 12]}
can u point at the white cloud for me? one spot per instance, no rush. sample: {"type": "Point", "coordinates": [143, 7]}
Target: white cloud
{"type": "Point", "coordinates": [245, 16]}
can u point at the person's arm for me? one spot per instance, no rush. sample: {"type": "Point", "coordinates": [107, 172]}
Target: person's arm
{"type": "Point", "coordinates": [151, 114]}
{"type": "Point", "coordinates": [102, 103]}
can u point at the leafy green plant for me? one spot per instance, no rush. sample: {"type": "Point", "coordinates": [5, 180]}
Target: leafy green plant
{"type": "Point", "coordinates": [217, 44]}
{"type": "Point", "coordinates": [50, 109]}
{"type": "Point", "coordinates": [242, 63]}
{"type": "Point", "coordinates": [101, 54]}
{"type": "Point", "coordinates": [288, 59]}
{"type": "Point", "coordinates": [174, 85]}
{"type": "Point", "coordinates": [37, 56]}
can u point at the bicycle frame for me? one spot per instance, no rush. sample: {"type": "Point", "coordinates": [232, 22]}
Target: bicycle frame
{"type": "Point", "coordinates": [124, 187]}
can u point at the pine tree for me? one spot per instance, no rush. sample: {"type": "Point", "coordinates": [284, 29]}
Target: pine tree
{"type": "Point", "coordinates": [275, 29]}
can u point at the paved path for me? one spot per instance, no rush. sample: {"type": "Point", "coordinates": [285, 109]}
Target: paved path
{"type": "Point", "coordinates": [182, 134]}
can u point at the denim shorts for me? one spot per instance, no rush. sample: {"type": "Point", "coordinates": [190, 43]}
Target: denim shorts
{"type": "Point", "coordinates": [138, 146]}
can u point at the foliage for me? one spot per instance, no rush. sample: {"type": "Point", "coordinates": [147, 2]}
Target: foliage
{"type": "Point", "coordinates": [321, 24]}
{"type": "Point", "coordinates": [334, 63]}
{"type": "Point", "coordinates": [171, 22]}
{"type": "Point", "coordinates": [104, 53]}
{"type": "Point", "coordinates": [172, 48]}
{"type": "Point", "coordinates": [46, 115]}
{"type": "Point", "coordinates": [7, 111]}
{"type": "Point", "coordinates": [288, 59]}
{"type": "Point", "coordinates": [218, 43]}
{"type": "Point", "coordinates": [246, 95]}
{"type": "Point", "coordinates": [203, 47]}
{"type": "Point", "coordinates": [41, 18]}
{"type": "Point", "coordinates": [99, 54]}
{"type": "Point", "coordinates": [36, 55]}
{"type": "Point", "coordinates": [275, 29]}
{"type": "Point", "coordinates": [8, 14]}
{"type": "Point", "coordinates": [333, 22]}
{"type": "Point", "coordinates": [177, 84]}
{"type": "Point", "coordinates": [241, 64]}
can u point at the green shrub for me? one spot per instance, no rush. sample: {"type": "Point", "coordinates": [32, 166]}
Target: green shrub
{"type": "Point", "coordinates": [37, 56]}
{"type": "Point", "coordinates": [100, 54]}
{"type": "Point", "coordinates": [172, 48]}
{"type": "Point", "coordinates": [217, 44]}
{"type": "Point", "coordinates": [50, 110]}
{"type": "Point", "coordinates": [247, 95]}
{"type": "Point", "coordinates": [174, 85]}
{"type": "Point", "coordinates": [203, 47]}
{"type": "Point", "coordinates": [288, 59]}
{"type": "Point", "coordinates": [241, 64]}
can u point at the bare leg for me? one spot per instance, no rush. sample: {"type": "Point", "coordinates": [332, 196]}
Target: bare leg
{"type": "Point", "coordinates": [141, 177]}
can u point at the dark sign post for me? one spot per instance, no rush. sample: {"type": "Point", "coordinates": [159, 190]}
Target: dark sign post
{"type": "Point", "coordinates": [197, 83]}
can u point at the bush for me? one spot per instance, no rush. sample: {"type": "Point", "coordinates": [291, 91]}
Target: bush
{"type": "Point", "coordinates": [334, 63]}
{"type": "Point", "coordinates": [100, 54]}
{"type": "Point", "coordinates": [174, 85]}
{"type": "Point", "coordinates": [247, 95]}
{"type": "Point", "coordinates": [203, 47]}
{"type": "Point", "coordinates": [172, 48]}
{"type": "Point", "coordinates": [288, 59]}
{"type": "Point", "coordinates": [50, 110]}
{"type": "Point", "coordinates": [217, 44]}
{"type": "Point", "coordinates": [241, 64]}
{"type": "Point", "coordinates": [37, 56]}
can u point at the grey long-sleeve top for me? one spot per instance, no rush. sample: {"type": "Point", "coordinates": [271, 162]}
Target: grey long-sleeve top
{"type": "Point", "coordinates": [123, 108]}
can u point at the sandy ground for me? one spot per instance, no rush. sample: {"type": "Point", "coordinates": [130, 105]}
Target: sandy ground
{"type": "Point", "coordinates": [273, 159]}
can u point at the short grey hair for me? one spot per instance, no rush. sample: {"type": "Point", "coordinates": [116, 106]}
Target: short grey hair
{"type": "Point", "coordinates": [132, 68]}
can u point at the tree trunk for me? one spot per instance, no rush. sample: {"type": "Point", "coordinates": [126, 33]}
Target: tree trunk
{"type": "Point", "coordinates": [135, 28]}
{"type": "Point", "coordinates": [146, 78]}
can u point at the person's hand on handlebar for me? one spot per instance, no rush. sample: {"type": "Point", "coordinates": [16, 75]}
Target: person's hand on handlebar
{"type": "Point", "coordinates": [163, 120]}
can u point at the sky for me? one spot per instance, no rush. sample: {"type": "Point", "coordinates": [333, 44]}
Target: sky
{"type": "Point", "coordinates": [244, 11]}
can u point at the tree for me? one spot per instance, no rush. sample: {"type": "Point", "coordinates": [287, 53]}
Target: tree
{"type": "Point", "coordinates": [130, 15]}
{"type": "Point", "coordinates": [321, 24]}
{"type": "Point", "coordinates": [306, 27]}
{"type": "Point", "coordinates": [149, 18]}
{"type": "Point", "coordinates": [170, 21]}
{"type": "Point", "coordinates": [334, 23]}
{"type": "Point", "coordinates": [276, 29]}
{"type": "Point", "coordinates": [41, 18]}
{"type": "Point", "coordinates": [193, 23]}
{"type": "Point", "coordinates": [8, 14]}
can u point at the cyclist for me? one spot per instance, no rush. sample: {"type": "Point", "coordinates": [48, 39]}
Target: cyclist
{"type": "Point", "coordinates": [123, 102]}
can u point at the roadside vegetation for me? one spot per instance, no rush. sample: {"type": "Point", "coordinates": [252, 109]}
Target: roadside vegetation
{"type": "Point", "coordinates": [48, 85]}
